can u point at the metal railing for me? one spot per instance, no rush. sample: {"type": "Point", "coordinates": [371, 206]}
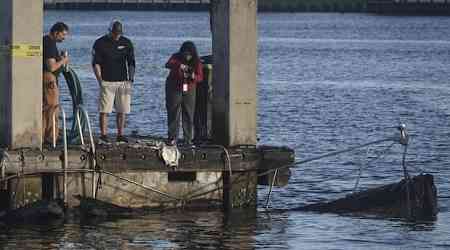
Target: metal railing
{"type": "Point", "coordinates": [66, 155]}
{"type": "Point", "coordinates": [80, 110]}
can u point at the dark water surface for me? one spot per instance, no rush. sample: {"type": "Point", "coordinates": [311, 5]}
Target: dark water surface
{"type": "Point", "coordinates": [326, 82]}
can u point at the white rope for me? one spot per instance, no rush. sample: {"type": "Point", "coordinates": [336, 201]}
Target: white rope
{"type": "Point", "coordinates": [142, 186]}
{"type": "Point", "coordinates": [378, 157]}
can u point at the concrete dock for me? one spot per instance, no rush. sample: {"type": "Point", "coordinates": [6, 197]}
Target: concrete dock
{"type": "Point", "coordinates": [134, 175]}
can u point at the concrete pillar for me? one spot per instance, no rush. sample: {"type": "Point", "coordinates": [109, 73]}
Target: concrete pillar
{"type": "Point", "coordinates": [21, 73]}
{"type": "Point", "coordinates": [235, 69]}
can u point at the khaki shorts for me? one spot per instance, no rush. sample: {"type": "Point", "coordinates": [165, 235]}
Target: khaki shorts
{"type": "Point", "coordinates": [117, 94]}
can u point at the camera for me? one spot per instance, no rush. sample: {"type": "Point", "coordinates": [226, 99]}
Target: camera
{"type": "Point", "coordinates": [187, 73]}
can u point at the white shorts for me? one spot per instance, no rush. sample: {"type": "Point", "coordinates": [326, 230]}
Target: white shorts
{"type": "Point", "coordinates": [117, 94]}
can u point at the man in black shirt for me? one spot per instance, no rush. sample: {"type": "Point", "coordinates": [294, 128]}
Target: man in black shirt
{"type": "Point", "coordinates": [52, 65]}
{"type": "Point", "coordinates": [114, 65]}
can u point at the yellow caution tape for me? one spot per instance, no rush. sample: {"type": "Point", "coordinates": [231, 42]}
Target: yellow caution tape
{"type": "Point", "coordinates": [26, 50]}
{"type": "Point", "coordinates": [21, 50]}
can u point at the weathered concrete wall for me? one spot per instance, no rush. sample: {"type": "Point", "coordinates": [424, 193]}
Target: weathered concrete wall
{"type": "Point", "coordinates": [235, 70]}
{"type": "Point", "coordinates": [127, 194]}
{"type": "Point", "coordinates": [206, 190]}
{"type": "Point", "coordinates": [21, 73]}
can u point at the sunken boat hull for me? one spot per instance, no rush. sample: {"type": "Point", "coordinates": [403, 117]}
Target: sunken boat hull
{"type": "Point", "coordinates": [414, 199]}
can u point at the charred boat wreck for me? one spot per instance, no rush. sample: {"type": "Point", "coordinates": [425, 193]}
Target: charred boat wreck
{"type": "Point", "coordinates": [412, 198]}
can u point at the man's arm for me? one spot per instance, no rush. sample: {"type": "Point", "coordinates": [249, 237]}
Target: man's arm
{"type": "Point", "coordinates": [53, 65]}
{"type": "Point", "coordinates": [131, 63]}
{"type": "Point", "coordinates": [96, 60]}
{"type": "Point", "coordinates": [131, 71]}
{"type": "Point", "coordinates": [98, 73]}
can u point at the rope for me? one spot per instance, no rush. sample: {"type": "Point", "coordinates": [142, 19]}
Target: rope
{"type": "Point", "coordinates": [238, 179]}
{"type": "Point", "coordinates": [403, 140]}
{"type": "Point", "coordinates": [271, 187]}
{"type": "Point", "coordinates": [327, 155]}
{"type": "Point", "coordinates": [227, 163]}
{"type": "Point", "coordinates": [143, 186]}
{"type": "Point", "coordinates": [378, 157]}
{"type": "Point", "coordinates": [193, 193]}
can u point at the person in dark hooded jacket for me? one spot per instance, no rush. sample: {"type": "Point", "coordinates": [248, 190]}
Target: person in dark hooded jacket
{"type": "Point", "coordinates": [186, 71]}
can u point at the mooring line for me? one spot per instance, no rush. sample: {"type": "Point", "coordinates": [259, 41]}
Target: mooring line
{"type": "Point", "coordinates": [403, 140]}
{"type": "Point", "coordinates": [271, 187]}
{"type": "Point", "coordinates": [236, 180]}
{"type": "Point", "coordinates": [193, 193]}
{"type": "Point", "coordinates": [142, 185]}
{"type": "Point", "coordinates": [379, 156]}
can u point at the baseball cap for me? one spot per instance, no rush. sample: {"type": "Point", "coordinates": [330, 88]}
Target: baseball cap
{"type": "Point", "coordinates": [116, 27]}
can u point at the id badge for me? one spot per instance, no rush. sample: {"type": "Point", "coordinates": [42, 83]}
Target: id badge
{"type": "Point", "coordinates": [185, 87]}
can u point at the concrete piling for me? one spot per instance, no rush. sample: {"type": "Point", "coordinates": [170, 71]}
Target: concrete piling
{"type": "Point", "coordinates": [21, 23]}
{"type": "Point", "coordinates": [235, 70]}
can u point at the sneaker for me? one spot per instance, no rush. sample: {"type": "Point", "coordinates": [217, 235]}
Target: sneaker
{"type": "Point", "coordinates": [104, 138]}
{"type": "Point", "coordinates": [121, 138]}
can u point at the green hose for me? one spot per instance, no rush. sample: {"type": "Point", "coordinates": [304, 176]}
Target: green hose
{"type": "Point", "coordinates": [74, 85]}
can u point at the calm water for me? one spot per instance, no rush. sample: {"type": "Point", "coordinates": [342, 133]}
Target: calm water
{"type": "Point", "coordinates": [326, 82]}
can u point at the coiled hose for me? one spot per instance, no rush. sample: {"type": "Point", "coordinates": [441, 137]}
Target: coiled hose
{"type": "Point", "coordinates": [76, 92]}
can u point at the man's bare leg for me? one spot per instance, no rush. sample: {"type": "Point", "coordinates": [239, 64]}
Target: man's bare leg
{"type": "Point", "coordinates": [104, 124]}
{"type": "Point", "coordinates": [120, 124]}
